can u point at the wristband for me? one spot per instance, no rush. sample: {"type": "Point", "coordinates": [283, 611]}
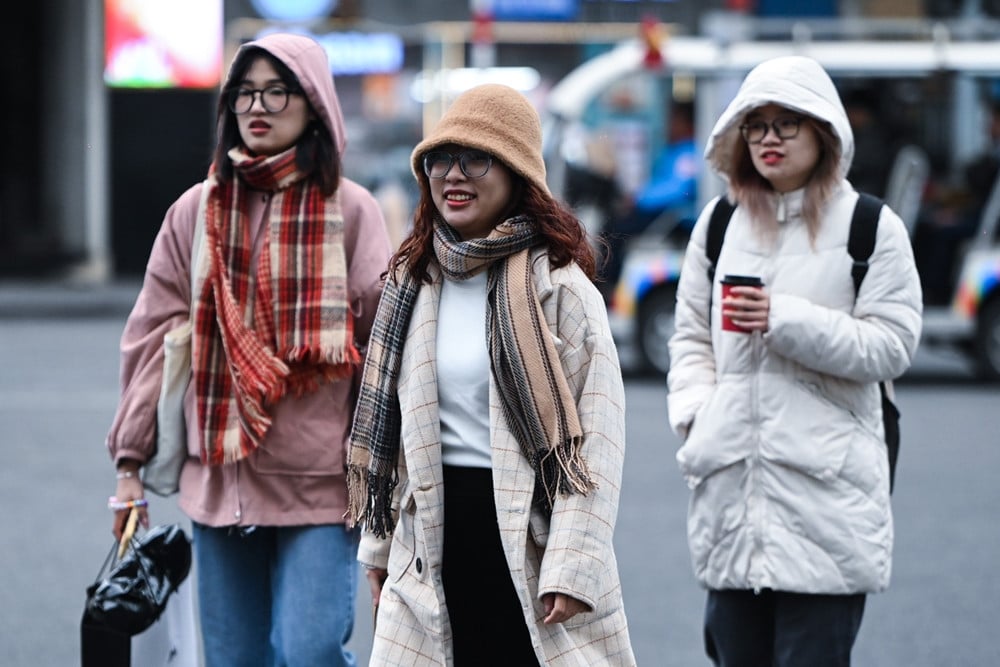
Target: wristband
{"type": "Point", "coordinates": [116, 505]}
{"type": "Point", "coordinates": [125, 474]}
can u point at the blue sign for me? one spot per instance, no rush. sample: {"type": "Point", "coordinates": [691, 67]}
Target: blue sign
{"type": "Point", "coordinates": [535, 10]}
{"type": "Point", "coordinates": [358, 53]}
{"type": "Point", "coordinates": [294, 10]}
{"type": "Point", "coordinates": [363, 53]}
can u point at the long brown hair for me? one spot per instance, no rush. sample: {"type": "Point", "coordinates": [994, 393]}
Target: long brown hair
{"type": "Point", "coordinates": [315, 151]}
{"type": "Point", "coordinates": [754, 192]}
{"type": "Point", "coordinates": [563, 234]}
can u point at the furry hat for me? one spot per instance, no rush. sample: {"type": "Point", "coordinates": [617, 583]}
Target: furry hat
{"type": "Point", "coordinates": [496, 119]}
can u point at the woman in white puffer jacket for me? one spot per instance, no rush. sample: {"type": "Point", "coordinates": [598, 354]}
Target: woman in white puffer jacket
{"type": "Point", "coordinates": [789, 523]}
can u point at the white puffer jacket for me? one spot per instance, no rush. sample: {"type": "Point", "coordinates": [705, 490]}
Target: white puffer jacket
{"type": "Point", "coordinates": [784, 446]}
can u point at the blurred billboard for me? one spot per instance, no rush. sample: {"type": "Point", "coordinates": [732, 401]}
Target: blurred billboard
{"type": "Point", "coordinates": [156, 44]}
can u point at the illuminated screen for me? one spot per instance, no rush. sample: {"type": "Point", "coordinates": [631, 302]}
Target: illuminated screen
{"type": "Point", "coordinates": [157, 44]}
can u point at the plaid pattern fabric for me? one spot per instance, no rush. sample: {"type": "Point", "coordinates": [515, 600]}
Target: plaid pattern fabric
{"type": "Point", "coordinates": [286, 327]}
{"type": "Point", "coordinates": [569, 550]}
{"type": "Point", "coordinates": [521, 351]}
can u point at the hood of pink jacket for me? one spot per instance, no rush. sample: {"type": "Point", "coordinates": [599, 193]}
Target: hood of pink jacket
{"type": "Point", "coordinates": [309, 63]}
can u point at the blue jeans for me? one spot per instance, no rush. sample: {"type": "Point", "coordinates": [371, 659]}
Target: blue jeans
{"type": "Point", "coordinates": [778, 629]}
{"type": "Point", "coordinates": [276, 596]}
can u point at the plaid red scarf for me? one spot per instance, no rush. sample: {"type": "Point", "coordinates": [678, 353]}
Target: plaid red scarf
{"type": "Point", "coordinates": [286, 326]}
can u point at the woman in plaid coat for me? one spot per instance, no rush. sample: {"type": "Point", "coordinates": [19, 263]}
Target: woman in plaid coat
{"type": "Point", "coordinates": [487, 449]}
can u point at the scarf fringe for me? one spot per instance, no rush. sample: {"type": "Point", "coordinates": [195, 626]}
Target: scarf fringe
{"type": "Point", "coordinates": [376, 492]}
{"type": "Point", "coordinates": [357, 488]}
{"type": "Point", "coordinates": [312, 368]}
{"type": "Point", "coordinates": [305, 379]}
{"type": "Point", "coordinates": [563, 469]}
{"type": "Point", "coordinates": [305, 354]}
{"type": "Point", "coordinates": [268, 385]}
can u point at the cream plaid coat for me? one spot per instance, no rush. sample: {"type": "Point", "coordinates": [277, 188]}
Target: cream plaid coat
{"type": "Point", "coordinates": [571, 552]}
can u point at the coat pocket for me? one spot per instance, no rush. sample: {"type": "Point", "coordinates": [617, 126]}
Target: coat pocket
{"type": "Point", "coordinates": [403, 551]}
{"type": "Point", "coordinates": [538, 527]}
{"type": "Point", "coordinates": [308, 434]}
{"type": "Point", "coordinates": [721, 434]}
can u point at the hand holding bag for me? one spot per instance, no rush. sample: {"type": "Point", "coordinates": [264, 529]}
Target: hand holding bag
{"type": "Point", "coordinates": [161, 473]}
{"type": "Point", "coordinates": [130, 595]}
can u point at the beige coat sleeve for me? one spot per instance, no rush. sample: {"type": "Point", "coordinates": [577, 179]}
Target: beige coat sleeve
{"type": "Point", "coordinates": [578, 549]}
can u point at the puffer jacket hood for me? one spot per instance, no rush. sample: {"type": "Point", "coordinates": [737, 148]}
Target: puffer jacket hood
{"type": "Point", "coordinates": [309, 63]}
{"type": "Point", "coordinates": [796, 82]}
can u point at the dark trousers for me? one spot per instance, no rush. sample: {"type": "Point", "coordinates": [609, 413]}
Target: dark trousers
{"type": "Point", "coordinates": [775, 629]}
{"type": "Point", "coordinates": [487, 622]}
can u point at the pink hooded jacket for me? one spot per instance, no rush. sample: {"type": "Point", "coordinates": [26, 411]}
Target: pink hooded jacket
{"type": "Point", "coordinates": [297, 476]}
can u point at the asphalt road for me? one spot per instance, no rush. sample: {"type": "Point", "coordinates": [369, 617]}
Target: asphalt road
{"type": "Point", "coordinates": [58, 387]}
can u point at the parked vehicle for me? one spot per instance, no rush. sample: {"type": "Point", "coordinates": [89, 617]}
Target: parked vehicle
{"type": "Point", "coordinates": [932, 95]}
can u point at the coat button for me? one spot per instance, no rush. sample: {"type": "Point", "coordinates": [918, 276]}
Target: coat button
{"type": "Point", "coordinates": [420, 566]}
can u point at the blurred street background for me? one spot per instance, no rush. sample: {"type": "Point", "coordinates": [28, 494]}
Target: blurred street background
{"type": "Point", "coordinates": [108, 116]}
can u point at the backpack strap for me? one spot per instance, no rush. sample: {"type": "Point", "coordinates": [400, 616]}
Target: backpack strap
{"type": "Point", "coordinates": [717, 224]}
{"type": "Point", "coordinates": [861, 245]}
{"type": "Point", "coordinates": [861, 239]}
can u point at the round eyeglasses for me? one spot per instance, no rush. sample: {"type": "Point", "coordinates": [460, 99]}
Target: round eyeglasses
{"type": "Point", "coordinates": [474, 164]}
{"type": "Point", "coordinates": [785, 127]}
{"type": "Point", "coordinates": [272, 98]}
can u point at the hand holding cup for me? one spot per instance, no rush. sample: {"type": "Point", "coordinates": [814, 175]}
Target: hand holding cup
{"type": "Point", "coordinates": [745, 304]}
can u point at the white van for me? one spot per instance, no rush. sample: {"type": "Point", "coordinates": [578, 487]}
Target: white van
{"type": "Point", "coordinates": [605, 118]}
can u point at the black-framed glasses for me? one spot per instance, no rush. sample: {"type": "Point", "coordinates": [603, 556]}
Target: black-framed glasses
{"type": "Point", "coordinates": [474, 164]}
{"type": "Point", "coordinates": [272, 98]}
{"type": "Point", "coordinates": [785, 127]}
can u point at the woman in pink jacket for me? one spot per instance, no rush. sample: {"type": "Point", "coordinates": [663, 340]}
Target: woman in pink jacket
{"type": "Point", "coordinates": [287, 284]}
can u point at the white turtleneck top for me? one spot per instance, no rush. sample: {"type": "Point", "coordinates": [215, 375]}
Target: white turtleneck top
{"type": "Point", "coordinates": [463, 373]}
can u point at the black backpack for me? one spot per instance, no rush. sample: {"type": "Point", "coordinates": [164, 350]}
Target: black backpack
{"type": "Point", "coordinates": [860, 245]}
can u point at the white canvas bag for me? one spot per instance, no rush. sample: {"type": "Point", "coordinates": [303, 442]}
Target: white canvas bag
{"type": "Point", "coordinates": [161, 473]}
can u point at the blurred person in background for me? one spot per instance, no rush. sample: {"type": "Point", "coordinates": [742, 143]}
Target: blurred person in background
{"type": "Point", "coordinates": [789, 524]}
{"type": "Point", "coordinates": [288, 287]}
{"type": "Point", "coordinates": [873, 147]}
{"type": "Point", "coordinates": [672, 190]}
{"type": "Point", "coordinates": [953, 215]}
{"type": "Point", "coordinates": [487, 449]}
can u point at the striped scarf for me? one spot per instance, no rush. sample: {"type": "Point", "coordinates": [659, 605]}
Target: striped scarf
{"type": "Point", "coordinates": [286, 327]}
{"type": "Point", "coordinates": [535, 396]}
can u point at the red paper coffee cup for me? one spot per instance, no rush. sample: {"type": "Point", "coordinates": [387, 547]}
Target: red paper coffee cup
{"type": "Point", "coordinates": [728, 283]}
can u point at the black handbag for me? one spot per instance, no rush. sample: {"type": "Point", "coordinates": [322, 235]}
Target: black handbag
{"type": "Point", "coordinates": [131, 591]}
